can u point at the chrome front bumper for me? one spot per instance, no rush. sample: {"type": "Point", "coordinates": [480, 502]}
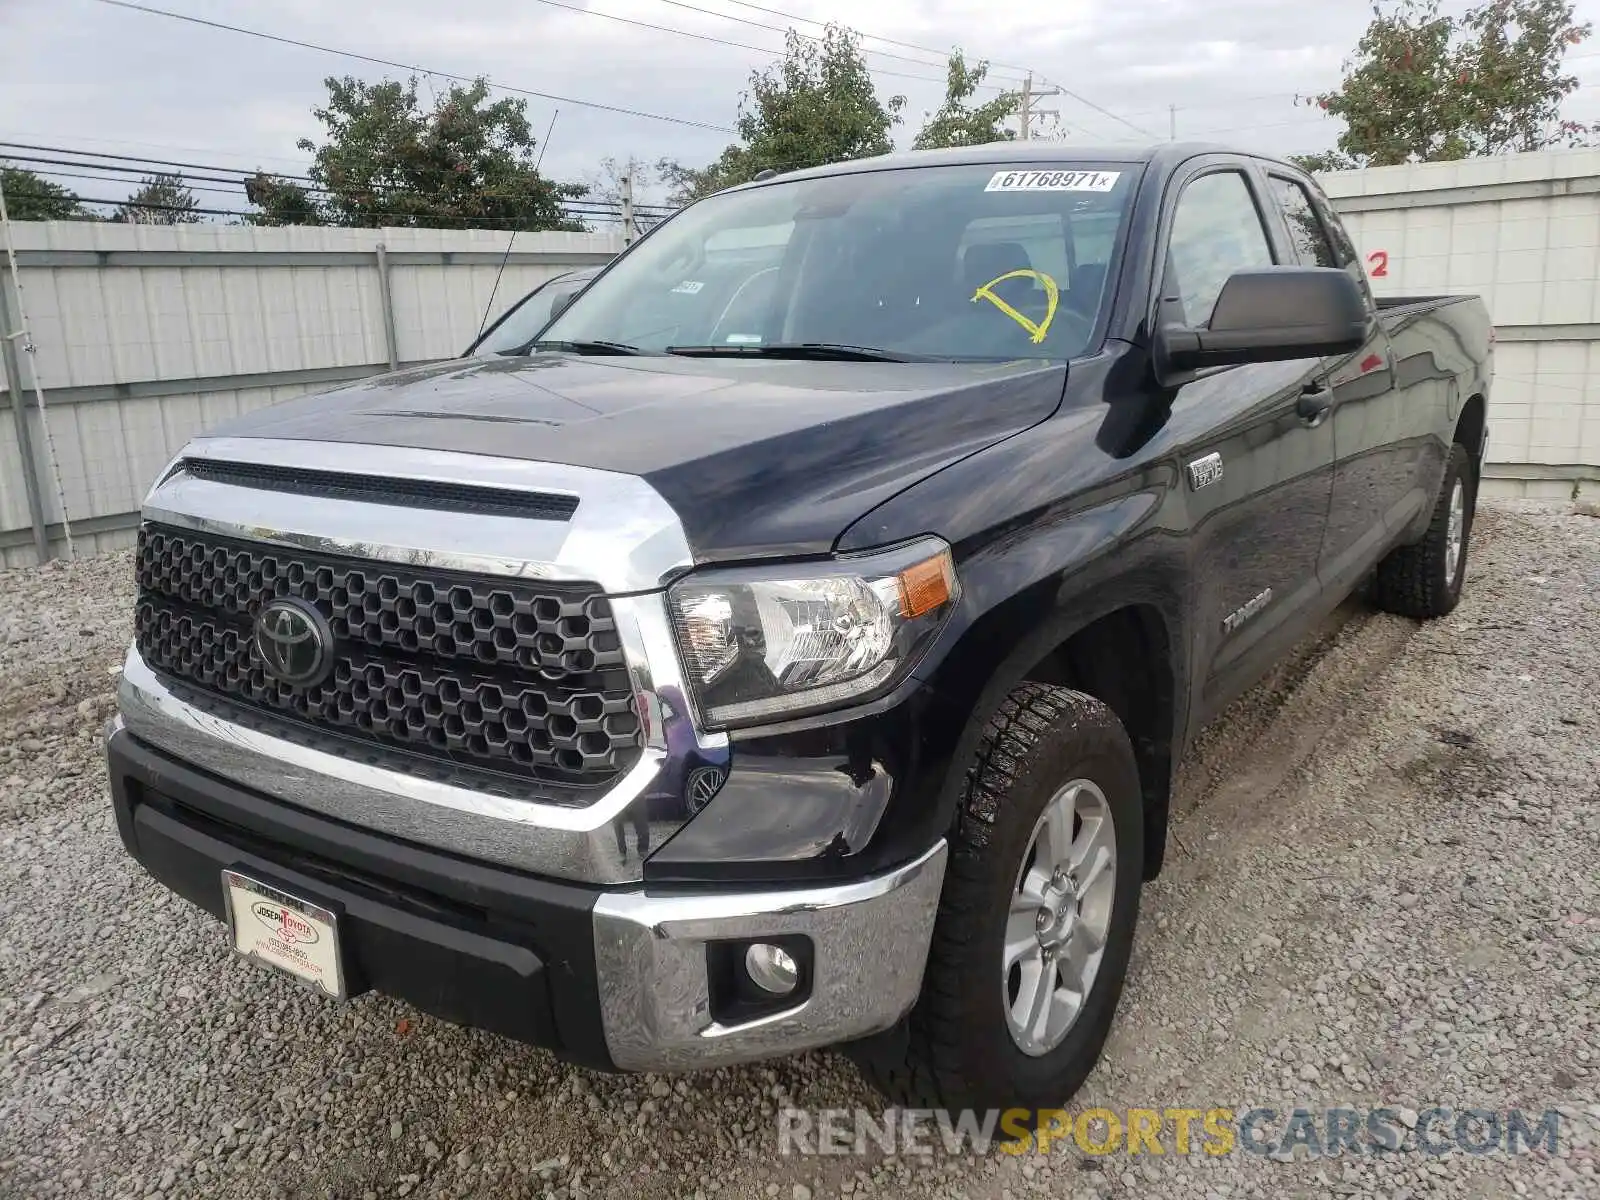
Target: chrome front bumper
{"type": "Point", "coordinates": [870, 940]}
{"type": "Point", "coordinates": [621, 980]}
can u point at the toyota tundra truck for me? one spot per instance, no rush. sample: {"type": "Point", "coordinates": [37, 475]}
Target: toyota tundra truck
{"type": "Point", "coordinates": [790, 646]}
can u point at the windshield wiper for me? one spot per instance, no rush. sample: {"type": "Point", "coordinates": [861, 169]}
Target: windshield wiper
{"type": "Point", "coordinates": [819, 351]}
{"type": "Point", "coordinates": [585, 347]}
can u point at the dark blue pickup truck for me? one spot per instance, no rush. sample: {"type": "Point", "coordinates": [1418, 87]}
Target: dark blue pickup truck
{"type": "Point", "coordinates": [792, 643]}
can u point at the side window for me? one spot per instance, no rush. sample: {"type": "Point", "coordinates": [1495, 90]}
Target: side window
{"type": "Point", "coordinates": [1343, 248]}
{"type": "Point", "coordinates": [529, 317]}
{"type": "Point", "coordinates": [1216, 231]}
{"type": "Point", "coordinates": [1311, 244]}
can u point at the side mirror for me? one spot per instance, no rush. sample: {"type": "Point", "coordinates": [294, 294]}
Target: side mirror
{"type": "Point", "coordinates": [559, 305]}
{"type": "Point", "coordinates": [1270, 314]}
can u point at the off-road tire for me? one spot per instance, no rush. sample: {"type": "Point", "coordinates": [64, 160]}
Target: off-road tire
{"type": "Point", "coordinates": [958, 1052]}
{"type": "Point", "coordinates": [1414, 580]}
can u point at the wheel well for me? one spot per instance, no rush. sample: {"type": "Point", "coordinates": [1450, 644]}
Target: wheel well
{"type": "Point", "coordinates": [1124, 659]}
{"type": "Point", "coordinates": [1469, 427]}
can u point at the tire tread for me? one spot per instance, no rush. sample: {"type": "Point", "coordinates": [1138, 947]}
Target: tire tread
{"type": "Point", "coordinates": [1409, 581]}
{"type": "Point", "coordinates": [930, 1075]}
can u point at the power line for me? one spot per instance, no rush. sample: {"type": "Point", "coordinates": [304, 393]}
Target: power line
{"type": "Point", "coordinates": [721, 16]}
{"type": "Point", "coordinates": [414, 67]}
{"type": "Point", "coordinates": [133, 158]}
{"type": "Point", "coordinates": [1087, 103]}
{"type": "Point", "coordinates": [876, 37]}
{"type": "Point", "coordinates": [299, 162]}
{"type": "Point", "coordinates": [143, 167]}
{"type": "Point", "coordinates": [594, 104]}
{"type": "Point", "coordinates": [717, 41]}
{"type": "Point", "coordinates": [400, 66]}
{"type": "Point", "coordinates": [1084, 100]}
{"type": "Point", "coordinates": [237, 212]}
{"type": "Point", "coordinates": [187, 180]}
{"type": "Point", "coordinates": [111, 168]}
{"type": "Point", "coordinates": [575, 205]}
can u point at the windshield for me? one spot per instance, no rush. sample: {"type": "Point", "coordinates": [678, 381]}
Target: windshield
{"type": "Point", "coordinates": [522, 323]}
{"type": "Point", "coordinates": [952, 262]}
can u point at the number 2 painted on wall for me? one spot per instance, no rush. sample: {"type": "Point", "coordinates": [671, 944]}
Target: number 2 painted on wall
{"type": "Point", "coordinates": [1378, 260]}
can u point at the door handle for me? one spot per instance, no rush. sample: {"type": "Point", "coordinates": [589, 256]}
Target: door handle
{"type": "Point", "coordinates": [1315, 400]}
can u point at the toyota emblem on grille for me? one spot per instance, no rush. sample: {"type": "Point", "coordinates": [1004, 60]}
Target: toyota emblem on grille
{"type": "Point", "coordinates": [294, 642]}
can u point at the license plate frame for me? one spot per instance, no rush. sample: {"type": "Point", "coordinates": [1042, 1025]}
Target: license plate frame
{"type": "Point", "coordinates": [289, 934]}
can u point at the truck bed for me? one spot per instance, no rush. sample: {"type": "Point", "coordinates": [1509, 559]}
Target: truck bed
{"type": "Point", "coordinates": [1402, 305]}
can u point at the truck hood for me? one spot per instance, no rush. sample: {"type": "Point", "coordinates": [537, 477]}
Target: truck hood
{"type": "Point", "coordinates": [757, 457]}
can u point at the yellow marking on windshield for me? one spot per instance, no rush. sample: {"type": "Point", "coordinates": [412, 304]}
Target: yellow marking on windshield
{"type": "Point", "coordinates": [1052, 298]}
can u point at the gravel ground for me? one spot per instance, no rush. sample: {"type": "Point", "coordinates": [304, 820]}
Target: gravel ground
{"type": "Point", "coordinates": [1384, 890]}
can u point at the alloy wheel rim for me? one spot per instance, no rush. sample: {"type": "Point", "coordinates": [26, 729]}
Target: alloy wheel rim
{"type": "Point", "coordinates": [1060, 917]}
{"type": "Point", "coordinates": [1455, 534]}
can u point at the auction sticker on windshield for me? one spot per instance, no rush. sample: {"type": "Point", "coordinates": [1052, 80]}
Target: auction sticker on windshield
{"type": "Point", "coordinates": [285, 932]}
{"type": "Point", "coordinates": [1053, 181]}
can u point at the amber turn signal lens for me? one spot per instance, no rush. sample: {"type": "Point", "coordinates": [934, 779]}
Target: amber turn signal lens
{"type": "Point", "coordinates": [926, 585]}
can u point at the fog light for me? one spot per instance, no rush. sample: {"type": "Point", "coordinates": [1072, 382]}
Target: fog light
{"type": "Point", "coordinates": [771, 968]}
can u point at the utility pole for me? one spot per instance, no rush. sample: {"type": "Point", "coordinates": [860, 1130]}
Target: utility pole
{"type": "Point", "coordinates": [1025, 109]}
{"type": "Point", "coordinates": [1172, 122]}
{"type": "Point", "coordinates": [9, 335]}
{"type": "Point", "coordinates": [627, 205]}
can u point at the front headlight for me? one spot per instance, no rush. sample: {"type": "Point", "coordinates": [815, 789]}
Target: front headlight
{"type": "Point", "coordinates": [762, 644]}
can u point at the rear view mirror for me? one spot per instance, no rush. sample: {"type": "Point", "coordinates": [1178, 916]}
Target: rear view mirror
{"type": "Point", "coordinates": [1269, 314]}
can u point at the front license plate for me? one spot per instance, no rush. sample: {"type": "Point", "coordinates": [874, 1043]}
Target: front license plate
{"type": "Point", "coordinates": [293, 935]}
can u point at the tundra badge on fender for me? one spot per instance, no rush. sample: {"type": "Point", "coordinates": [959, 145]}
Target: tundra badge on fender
{"type": "Point", "coordinates": [1247, 610]}
{"type": "Point", "coordinates": [1204, 471]}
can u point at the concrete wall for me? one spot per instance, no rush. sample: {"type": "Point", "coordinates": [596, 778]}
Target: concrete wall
{"type": "Point", "coordinates": [146, 335]}
{"type": "Point", "coordinates": [1523, 231]}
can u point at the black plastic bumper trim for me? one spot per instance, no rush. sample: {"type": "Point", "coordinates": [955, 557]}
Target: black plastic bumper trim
{"type": "Point", "coordinates": [470, 943]}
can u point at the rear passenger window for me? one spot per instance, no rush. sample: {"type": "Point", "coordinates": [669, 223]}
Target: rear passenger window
{"type": "Point", "coordinates": [1311, 242]}
{"type": "Point", "coordinates": [1343, 248]}
{"type": "Point", "coordinates": [1216, 231]}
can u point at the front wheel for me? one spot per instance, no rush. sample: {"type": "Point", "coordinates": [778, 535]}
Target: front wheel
{"type": "Point", "coordinates": [1036, 920]}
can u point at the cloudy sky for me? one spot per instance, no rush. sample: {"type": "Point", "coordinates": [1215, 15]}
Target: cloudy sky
{"type": "Point", "coordinates": [86, 75]}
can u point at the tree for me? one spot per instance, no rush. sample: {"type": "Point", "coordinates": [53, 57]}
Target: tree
{"type": "Point", "coordinates": [1425, 87]}
{"type": "Point", "coordinates": [387, 160]}
{"type": "Point", "coordinates": [816, 106]}
{"type": "Point", "coordinates": [159, 200]}
{"type": "Point", "coordinates": [957, 124]}
{"type": "Point", "coordinates": [29, 197]}
{"type": "Point", "coordinates": [605, 184]}
{"type": "Point", "coordinates": [1323, 160]}
{"type": "Point", "coordinates": [281, 201]}
{"type": "Point", "coordinates": [684, 184]}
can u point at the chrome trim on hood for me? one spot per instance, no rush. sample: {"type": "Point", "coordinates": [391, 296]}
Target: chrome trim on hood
{"type": "Point", "coordinates": [623, 535]}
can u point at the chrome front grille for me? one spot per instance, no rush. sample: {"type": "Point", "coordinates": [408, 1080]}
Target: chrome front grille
{"type": "Point", "coordinates": [525, 680]}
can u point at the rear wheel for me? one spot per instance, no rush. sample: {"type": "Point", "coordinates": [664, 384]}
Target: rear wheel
{"type": "Point", "coordinates": [1036, 921]}
{"type": "Point", "coordinates": [1424, 579]}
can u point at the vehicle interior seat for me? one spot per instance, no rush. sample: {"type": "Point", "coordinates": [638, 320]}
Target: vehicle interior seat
{"type": "Point", "coordinates": [987, 261]}
{"type": "Point", "coordinates": [1083, 297]}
